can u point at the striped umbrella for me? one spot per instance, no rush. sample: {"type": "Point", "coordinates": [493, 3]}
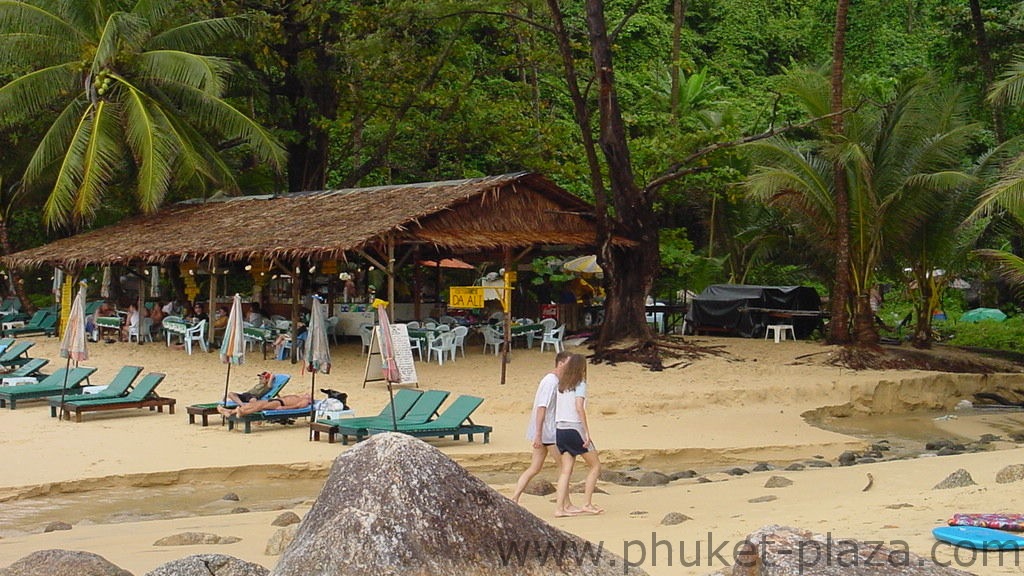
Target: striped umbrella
{"type": "Point", "coordinates": [72, 343]}
{"type": "Point", "coordinates": [318, 352]}
{"type": "Point", "coordinates": [232, 348]}
{"type": "Point", "coordinates": [387, 350]}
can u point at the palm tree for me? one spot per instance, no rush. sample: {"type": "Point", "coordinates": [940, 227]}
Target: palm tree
{"type": "Point", "coordinates": [128, 95]}
{"type": "Point", "coordinates": [901, 164]}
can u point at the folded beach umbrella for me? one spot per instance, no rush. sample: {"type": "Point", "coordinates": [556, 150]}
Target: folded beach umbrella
{"type": "Point", "coordinates": [318, 352]}
{"type": "Point", "coordinates": [387, 347]}
{"type": "Point", "coordinates": [232, 348]}
{"type": "Point", "coordinates": [72, 343]}
{"type": "Point", "coordinates": [583, 265]}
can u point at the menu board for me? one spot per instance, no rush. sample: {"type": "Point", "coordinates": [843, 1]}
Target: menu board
{"type": "Point", "coordinates": [402, 354]}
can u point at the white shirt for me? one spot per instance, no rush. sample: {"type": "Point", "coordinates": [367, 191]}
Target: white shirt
{"type": "Point", "coordinates": [566, 415]}
{"type": "Point", "coordinates": [547, 390]}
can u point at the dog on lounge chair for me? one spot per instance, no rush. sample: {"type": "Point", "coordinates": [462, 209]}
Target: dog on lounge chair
{"type": "Point", "coordinates": [335, 395]}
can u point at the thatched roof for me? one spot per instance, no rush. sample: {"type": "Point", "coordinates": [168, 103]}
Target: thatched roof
{"type": "Point", "coordinates": [480, 214]}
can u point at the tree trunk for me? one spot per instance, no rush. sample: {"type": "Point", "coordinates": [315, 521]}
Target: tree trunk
{"type": "Point", "coordinates": [629, 271]}
{"type": "Point", "coordinates": [17, 285]}
{"type": "Point", "coordinates": [985, 62]}
{"type": "Point", "coordinates": [839, 326]}
{"type": "Point", "coordinates": [678, 21]}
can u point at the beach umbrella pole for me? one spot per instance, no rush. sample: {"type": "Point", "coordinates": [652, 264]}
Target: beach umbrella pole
{"type": "Point", "coordinates": [312, 405]}
{"type": "Point", "coordinates": [63, 389]}
{"type": "Point", "coordinates": [394, 417]}
{"type": "Point", "coordinates": [226, 380]}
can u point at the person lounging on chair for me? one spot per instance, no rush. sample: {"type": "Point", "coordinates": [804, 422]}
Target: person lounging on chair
{"type": "Point", "coordinates": [283, 409]}
{"type": "Point", "coordinates": [204, 411]}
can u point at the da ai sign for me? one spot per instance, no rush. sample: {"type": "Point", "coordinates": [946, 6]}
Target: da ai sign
{"type": "Point", "coordinates": [466, 297]}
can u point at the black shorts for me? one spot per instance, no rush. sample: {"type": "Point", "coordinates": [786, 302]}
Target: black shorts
{"type": "Point", "coordinates": [246, 397]}
{"type": "Point", "coordinates": [570, 441]}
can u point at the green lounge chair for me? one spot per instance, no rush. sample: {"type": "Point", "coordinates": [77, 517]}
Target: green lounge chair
{"type": "Point", "coordinates": [422, 411]}
{"type": "Point", "coordinates": [16, 354]}
{"type": "Point", "coordinates": [205, 410]}
{"type": "Point", "coordinates": [29, 369]}
{"type": "Point", "coordinates": [454, 421]}
{"type": "Point", "coordinates": [117, 388]}
{"type": "Point", "coordinates": [142, 396]}
{"type": "Point", "coordinates": [404, 400]}
{"type": "Point", "coordinates": [42, 322]}
{"type": "Point", "coordinates": [49, 386]}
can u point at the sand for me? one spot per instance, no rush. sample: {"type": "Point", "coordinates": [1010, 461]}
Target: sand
{"type": "Point", "coordinates": [736, 408]}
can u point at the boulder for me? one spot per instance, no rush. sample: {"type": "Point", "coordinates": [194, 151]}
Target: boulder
{"type": "Point", "coordinates": [957, 479]}
{"type": "Point", "coordinates": [540, 487]}
{"type": "Point", "coordinates": [193, 538]}
{"type": "Point", "coordinates": [786, 551]}
{"type": "Point", "coordinates": [683, 475]}
{"type": "Point", "coordinates": [55, 526]}
{"type": "Point", "coordinates": [1011, 473]}
{"type": "Point", "coordinates": [673, 518]}
{"type": "Point", "coordinates": [778, 482]}
{"type": "Point", "coordinates": [653, 479]}
{"type": "Point", "coordinates": [209, 565]}
{"type": "Point", "coordinates": [280, 540]}
{"type": "Point", "coordinates": [230, 497]}
{"type": "Point", "coordinates": [394, 505]}
{"type": "Point", "coordinates": [286, 519]}
{"type": "Point", "coordinates": [63, 563]}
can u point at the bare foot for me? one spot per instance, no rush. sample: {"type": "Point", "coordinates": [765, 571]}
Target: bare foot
{"type": "Point", "coordinates": [591, 509]}
{"type": "Point", "coordinates": [224, 411]}
{"type": "Point", "coordinates": [569, 511]}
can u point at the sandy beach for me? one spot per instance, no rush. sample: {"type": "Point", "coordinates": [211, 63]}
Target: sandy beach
{"type": "Point", "coordinates": [741, 406]}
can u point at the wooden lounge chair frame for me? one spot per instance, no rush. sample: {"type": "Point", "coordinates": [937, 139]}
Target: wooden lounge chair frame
{"type": "Point", "coordinates": [404, 400]}
{"type": "Point", "coordinates": [455, 421]}
{"type": "Point", "coordinates": [120, 386]}
{"type": "Point", "coordinates": [142, 396]}
{"type": "Point", "coordinates": [49, 386]}
{"type": "Point", "coordinates": [282, 416]}
{"type": "Point", "coordinates": [422, 411]}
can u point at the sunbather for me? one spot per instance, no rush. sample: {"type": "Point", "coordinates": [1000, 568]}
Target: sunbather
{"type": "Point", "coordinates": [264, 381]}
{"type": "Point", "coordinates": [287, 402]}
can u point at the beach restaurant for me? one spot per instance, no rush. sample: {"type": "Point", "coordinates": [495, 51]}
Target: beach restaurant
{"type": "Point", "coordinates": [498, 219]}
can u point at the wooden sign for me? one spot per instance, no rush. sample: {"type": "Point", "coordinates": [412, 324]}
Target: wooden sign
{"type": "Point", "coordinates": [402, 354]}
{"type": "Point", "coordinates": [466, 297]}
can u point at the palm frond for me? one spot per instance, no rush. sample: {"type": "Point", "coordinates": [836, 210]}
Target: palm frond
{"type": "Point", "coordinates": [202, 35]}
{"type": "Point", "coordinates": [17, 16]}
{"type": "Point", "coordinates": [1009, 89]}
{"type": "Point", "coordinates": [1010, 265]}
{"type": "Point", "coordinates": [55, 142]}
{"type": "Point", "coordinates": [100, 160]}
{"type": "Point", "coordinates": [85, 15]}
{"type": "Point", "coordinates": [146, 133]}
{"type": "Point", "coordinates": [205, 73]}
{"type": "Point", "coordinates": [25, 50]}
{"type": "Point", "coordinates": [198, 158]}
{"type": "Point", "coordinates": [60, 203]}
{"type": "Point", "coordinates": [154, 11]}
{"type": "Point", "coordinates": [122, 32]}
{"type": "Point", "coordinates": [26, 95]}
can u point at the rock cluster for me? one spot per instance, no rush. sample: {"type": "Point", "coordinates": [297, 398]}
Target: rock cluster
{"type": "Point", "coordinates": [63, 563]}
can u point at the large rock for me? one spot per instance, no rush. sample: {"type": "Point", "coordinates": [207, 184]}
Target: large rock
{"type": "Point", "coordinates": [958, 479]}
{"type": "Point", "coordinates": [280, 540]}
{"type": "Point", "coordinates": [193, 538]}
{"type": "Point", "coordinates": [209, 565]}
{"type": "Point", "coordinates": [394, 505]}
{"type": "Point", "coordinates": [785, 551]}
{"type": "Point", "coordinates": [1011, 473]}
{"type": "Point", "coordinates": [63, 563]}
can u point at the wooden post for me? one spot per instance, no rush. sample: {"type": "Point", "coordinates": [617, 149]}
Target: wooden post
{"type": "Point", "coordinates": [140, 306]}
{"type": "Point", "coordinates": [296, 296]}
{"type": "Point", "coordinates": [211, 307]}
{"type": "Point", "coordinates": [391, 276]}
{"type": "Point", "coordinates": [417, 284]}
{"type": "Point", "coordinates": [506, 304]}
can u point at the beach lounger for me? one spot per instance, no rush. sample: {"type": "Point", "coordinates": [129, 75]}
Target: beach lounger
{"type": "Point", "coordinates": [117, 388]}
{"type": "Point", "coordinates": [49, 386]}
{"type": "Point", "coordinates": [143, 395]}
{"type": "Point", "coordinates": [16, 354]}
{"type": "Point", "coordinates": [281, 416]}
{"type": "Point", "coordinates": [404, 400]}
{"type": "Point", "coordinates": [454, 421]}
{"type": "Point", "coordinates": [42, 322]}
{"type": "Point", "coordinates": [29, 369]}
{"type": "Point", "coordinates": [422, 411]}
{"type": "Point", "coordinates": [205, 410]}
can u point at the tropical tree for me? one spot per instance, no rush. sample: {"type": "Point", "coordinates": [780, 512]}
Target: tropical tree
{"type": "Point", "coordinates": [902, 166]}
{"type": "Point", "coordinates": [132, 96]}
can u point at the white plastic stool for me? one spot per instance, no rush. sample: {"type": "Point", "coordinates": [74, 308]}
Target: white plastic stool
{"type": "Point", "coordinates": [779, 330]}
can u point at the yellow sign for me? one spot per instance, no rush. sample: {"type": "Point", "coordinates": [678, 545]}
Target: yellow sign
{"type": "Point", "coordinates": [466, 297]}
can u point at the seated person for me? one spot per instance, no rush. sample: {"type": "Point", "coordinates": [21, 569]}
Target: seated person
{"type": "Point", "coordinates": [220, 318]}
{"type": "Point", "coordinates": [133, 321]}
{"type": "Point", "coordinates": [288, 402]}
{"type": "Point", "coordinates": [254, 317]}
{"type": "Point", "coordinates": [262, 386]}
{"type": "Point", "coordinates": [157, 315]}
{"type": "Point", "coordinates": [302, 332]}
{"type": "Point", "coordinates": [198, 313]}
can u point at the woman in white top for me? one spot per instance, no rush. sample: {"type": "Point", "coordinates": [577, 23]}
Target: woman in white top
{"type": "Point", "coordinates": [572, 436]}
{"type": "Point", "coordinates": [541, 429]}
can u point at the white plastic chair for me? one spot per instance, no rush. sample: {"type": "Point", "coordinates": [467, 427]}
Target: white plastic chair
{"type": "Point", "coordinates": [449, 321]}
{"type": "Point", "coordinates": [492, 338]}
{"type": "Point", "coordinates": [430, 324]}
{"type": "Point", "coordinates": [443, 343]}
{"type": "Point", "coordinates": [414, 325]}
{"type": "Point", "coordinates": [366, 335]}
{"type": "Point", "coordinates": [145, 332]}
{"type": "Point", "coordinates": [554, 338]}
{"type": "Point", "coordinates": [549, 324]}
{"type": "Point", "coordinates": [196, 333]}
{"type": "Point", "coordinates": [332, 328]}
{"type": "Point", "coordinates": [460, 338]}
{"type": "Point", "coordinates": [414, 344]}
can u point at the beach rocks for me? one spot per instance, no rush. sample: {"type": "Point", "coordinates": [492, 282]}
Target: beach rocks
{"type": "Point", "coordinates": [683, 474]}
{"type": "Point", "coordinates": [540, 487]}
{"type": "Point", "coordinates": [1011, 473]}
{"type": "Point", "coordinates": [762, 467]}
{"type": "Point", "coordinates": [786, 551]}
{"type": "Point", "coordinates": [795, 467]}
{"type": "Point", "coordinates": [209, 565]}
{"type": "Point", "coordinates": [280, 540]}
{"type": "Point", "coordinates": [396, 505]}
{"type": "Point", "coordinates": [957, 479]}
{"type": "Point", "coordinates": [848, 458]}
{"type": "Point", "coordinates": [673, 518]}
{"type": "Point", "coordinates": [286, 519]}
{"type": "Point", "coordinates": [230, 497]}
{"type": "Point", "coordinates": [763, 499]}
{"type": "Point", "coordinates": [653, 479]}
{"type": "Point", "coordinates": [63, 563]}
{"type": "Point", "coordinates": [192, 538]}
{"type": "Point", "coordinates": [778, 482]}
{"type": "Point", "coordinates": [55, 526]}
